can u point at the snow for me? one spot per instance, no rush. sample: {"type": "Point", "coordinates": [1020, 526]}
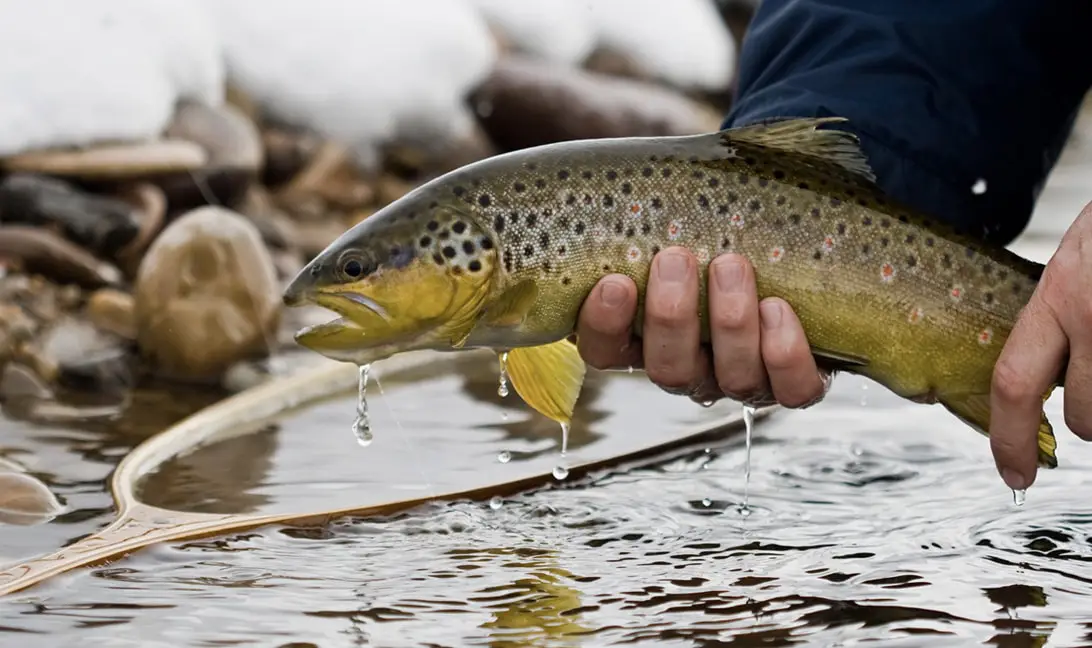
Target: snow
{"type": "Point", "coordinates": [359, 72]}
{"type": "Point", "coordinates": [684, 42]}
{"type": "Point", "coordinates": [76, 72]}
{"type": "Point", "coordinates": [560, 31]}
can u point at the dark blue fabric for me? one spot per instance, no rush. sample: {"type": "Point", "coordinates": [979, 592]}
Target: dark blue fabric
{"type": "Point", "coordinates": [941, 92]}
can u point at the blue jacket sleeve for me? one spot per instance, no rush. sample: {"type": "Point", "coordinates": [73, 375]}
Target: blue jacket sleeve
{"type": "Point", "coordinates": [943, 93]}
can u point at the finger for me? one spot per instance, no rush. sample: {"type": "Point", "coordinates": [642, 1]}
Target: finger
{"type": "Point", "coordinates": [794, 378]}
{"type": "Point", "coordinates": [1078, 388]}
{"type": "Point", "coordinates": [672, 333]}
{"type": "Point", "coordinates": [734, 328]}
{"type": "Point", "coordinates": [1032, 357]}
{"type": "Point", "coordinates": [604, 333]}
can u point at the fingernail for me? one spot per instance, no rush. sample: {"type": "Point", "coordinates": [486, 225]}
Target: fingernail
{"type": "Point", "coordinates": [1013, 479]}
{"type": "Point", "coordinates": [729, 275]}
{"type": "Point", "coordinates": [671, 267]}
{"type": "Point", "coordinates": [770, 313]}
{"type": "Point", "coordinates": [611, 294]}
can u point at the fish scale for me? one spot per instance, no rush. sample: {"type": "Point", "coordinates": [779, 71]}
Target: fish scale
{"type": "Point", "coordinates": [880, 290]}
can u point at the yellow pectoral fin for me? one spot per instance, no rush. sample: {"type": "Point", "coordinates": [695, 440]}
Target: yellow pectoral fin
{"type": "Point", "coordinates": [974, 410]}
{"type": "Point", "coordinates": [548, 378]}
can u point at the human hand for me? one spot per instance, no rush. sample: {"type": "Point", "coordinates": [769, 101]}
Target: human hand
{"type": "Point", "coordinates": [1053, 332]}
{"type": "Point", "coordinates": [758, 352]}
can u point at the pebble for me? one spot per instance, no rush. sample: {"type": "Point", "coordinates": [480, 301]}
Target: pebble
{"type": "Point", "coordinates": [112, 161]}
{"type": "Point", "coordinates": [206, 295]}
{"type": "Point", "coordinates": [41, 251]}
{"type": "Point", "coordinates": [101, 224]}
{"type": "Point", "coordinates": [25, 500]}
{"type": "Point", "coordinates": [112, 311]}
{"type": "Point", "coordinates": [86, 358]}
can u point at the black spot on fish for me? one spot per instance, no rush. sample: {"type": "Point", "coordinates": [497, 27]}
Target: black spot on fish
{"type": "Point", "coordinates": [563, 222]}
{"type": "Point", "coordinates": [970, 253]}
{"type": "Point", "coordinates": [513, 217]}
{"type": "Point", "coordinates": [697, 175]}
{"type": "Point", "coordinates": [986, 270]}
{"type": "Point", "coordinates": [528, 250]}
{"type": "Point", "coordinates": [795, 218]}
{"type": "Point", "coordinates": [612, 175]}
{"type": "Point", "coordinates": [763, 182]}
{"type": "Point", "coordinates": [459, 227]}
{"type": "Point", "coordinates": [731, 197]}
{"type": "Point", "coordinates": [433, 226]}
{"type": "Point", "coordinates": [885, 223]}
{"type": "Point", "coordinates": [630, 232]}
{"type": "Point", "coordinates": [834, 202]}
{"type": "Point", "coordinates": [540, 183]}
{"type": "Point", "coordinates": [498, 223]}
{"type": "Point", "coordinates": [566, 281]}
{"type": "Point", "coordinates": [468, 247]}
{"type": "Point", "coordinates": [519, 187]}
{"type": "Point", "coordinates": [1016, 289]}
{"type": "Point", "coordinates": [884, 241]}
{"type": "Point", "coordinates": [474, 266]}
{"type": "Point", "coordinates": [815, 212]}
{"type": "Point", "coordinates": [508, 261]}
{"type": "Point", "coordinates": [546, 266]}
{"type": "Point", "coordinates": [627, 188]}
{"type": "Point", "coordinates": [929, 241]}
{"type": "Point", "coordinates": [561, 251]}
{"type": "Point", "coordinates": [647, 172]}
{"type": "Point", "coordinates": [570, 199]}
{"type": "Point", "coordinates": [486, 243]}
{"type": "Point", "coordinates": [666, 172]}
{"type": "Point", "coordinates": [618, 227]}
{"type": "Point", "coordinates": [531, 166]}
{"type": "Point", "coordinates": [778, 174]}
{"type": "Point", "coordinates": [653, 158]}
{"type": "Point", "coordinates": [744, 178]}
{"type": "Point", "coordinates": [438, 258]}
{"type": "Point", "coordinates": [946, 261]}
{"type": "Point", "coordinates": [988, 298]}
{"type": "Point", "coordinates": [563, 174]}
{"type": "Point", "coordinates": [750, 160]}
{"type": "Point", "coordinates": [579, 227]}
{"type": "Point", "coordinates": [646, 228]}
{"type": "Point", "coordinates": [532, 219]}
{"type": "Point", "coordinates": [866, 248]}
{"type": "Point", "coordinates": [909, 238]}
{"type": "Point", "coordinates": [444, 235]}
{"type": "Point", "coordinates": [544, 239]}
{"type": "Point", "coordinates": [655, 250]}
{"type": "Point", "coordinates": [449, 252]}
{"type": "Point", "coordinates": [459, 190]}
{"type": "Point", "coordinates": [867, 220]}
{"type": "Point", "coordinates": [1002, 275]}
{"type": "Point", "coordinates": [703, 200]}
{"type": "Point", "coordinates": [588, 199]}
{"type": "Point", "coordinates": [911, 261]}
{"type": "Point", "coordinates": [725, 243]}
{"type": "Point", "coordinates": [755, 205]}
{"type": "Point", "coordinates": [657, 203]}
{"type": "Point", "coordinates": [841, 228]}
{"type": "Point", "coordinates": [713, 183]}
{"type": "Point", "coordinates": [778, 223]}
{"type": "Point", "coordinates": [606, 267]}
{"type": "Point", "coordinates": [608, 200]}
{"type": "Point", "coordinates": [817, 255]}
{"type": "Point", "coordinates": [722, 210]}
{"type": "Point", "coordinates": [803, 185]}
{"type": "Point", "coordinates": [425, 241]}
{"type": "Point", "coordinates": [781, 200]}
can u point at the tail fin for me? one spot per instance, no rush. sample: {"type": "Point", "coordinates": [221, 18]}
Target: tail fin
{"type": "Point", "coordinates": [974, 410]}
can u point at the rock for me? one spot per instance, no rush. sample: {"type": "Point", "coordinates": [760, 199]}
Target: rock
{"type": "Point", "coordinates": [86, 358]}
{"type": "Point", "coordinates": [611, 62]}
{"type": "Point", "coordinates": [112, 161]}
{"type": "Point", "coordinates": [235, 154]}
{"type": "Point", "coordinates": [277, 229]}
{"type": "Point", "coordinates": [20, 382]}
{"type": "Point", "coordinates": [431, 158]}
{"type": "Point", "coordinates": [101, 224]}
{"type": "Point", "coordinates": [286, 154]}
{"type": "Point", "coordinates": [330, 179]}
{"type": "Point", "coordinates": [25, 500]}
{"type": "Point", "coordinates": [112, 311]}
{"type": "Point", "coordinates": [531, 103]}
{"type": "Point", "coordinates": [43, 252]}
{"type": "Point", "coordinates": [152, 206]}
{"type": "Point", "coordinates": [207, 295]}
{"type": "Point", "coordinates": [312, 238]}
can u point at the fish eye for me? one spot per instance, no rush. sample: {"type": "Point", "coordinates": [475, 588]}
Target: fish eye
{"type": "Point", "coordinates": [354, 268]}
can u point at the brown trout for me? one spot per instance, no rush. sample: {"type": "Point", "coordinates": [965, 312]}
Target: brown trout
{"type": "Point", "coordinates": [501, 254]}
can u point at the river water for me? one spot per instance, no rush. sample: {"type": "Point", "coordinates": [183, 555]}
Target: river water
{"type": "Point", "coordinates": [874, 521]}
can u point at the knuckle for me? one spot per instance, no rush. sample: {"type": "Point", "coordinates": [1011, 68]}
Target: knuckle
{"type": "Point", "coordinates": [733, 316]}
{"type": "Point", "coordinates": [1009, 384]}
{"type": "Point", "coordinates": [669, 377]}
{"type": "Point", "coordinates": [664, 314]}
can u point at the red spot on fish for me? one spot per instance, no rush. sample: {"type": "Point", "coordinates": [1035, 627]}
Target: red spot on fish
{"type": "Point", "coordinates": [956, 293]}
{"type": "Point", "coordinates": [776, 254]}
{"type": "Point", "coordinates": [916, 315]}
{"type": "Point", "coordinates": [674, 228]}
{"type": "Point", "coordinates": [828, 244]}
{"type": "Point", "coordinates": [887, 272]}
{"type": "Point", "coordinates": [737, 220]}
{"type": "Point", "coordinates": [635, 209]}
{"type": "Point", "coordinates": [985, 336]}
{"type": "Point", "coordinates": [633, 254]}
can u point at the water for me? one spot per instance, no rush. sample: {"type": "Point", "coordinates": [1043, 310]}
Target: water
{"type": "Point", "coordinates": [502, 380]}
{"type": "Point", "coordinates": [749, 426]}
{"type": "Point", "coordinates": [362, 426]}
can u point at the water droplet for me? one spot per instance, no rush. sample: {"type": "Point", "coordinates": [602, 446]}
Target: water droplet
{"type": "Point", "coordinates": [630, 369]}
{"type": "Point", "coordinates": [706, 502]}
{"type": "Point", "coordinates": [362, 426]}
{"type": "Point", "coordinates": [749, 424]}
{"type": "Point", "coordinates": [979, 187]}
{"type": "Point", "coordinates": [502, 386]}
{"type": "Point", "coordinates": [496, 502]}
{"type": "Point", "coordinates": [1019, 497]}
{"type": "Point", "coordinates": [743, 510]}
{"type": "Point", "coordinates": [708, 403]}
{"type": "Point", "coordinates": [864, 394]}
{"type": "Point", "coordinates": [564, 439]}
{"type": "Point", "coordinates": [504, 456]}
{"type": "Point", "coordinates": [561, 471]}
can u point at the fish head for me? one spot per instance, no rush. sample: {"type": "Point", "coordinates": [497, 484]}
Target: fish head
{"type": "Point", "coordinates": [414, 275]}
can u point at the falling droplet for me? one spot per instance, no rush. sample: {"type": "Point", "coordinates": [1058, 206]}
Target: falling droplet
{"type": "Point", "coordinates": [564, 439]}
{"type": "Point", "coordinates": [1019, 496]}
{"type": "Point", "coordinates": [496, 502]}
{"type": "Point", "coordinates": [561, 471]}
{"type": "Point", "coordinates": [979, 187]}
{"type": "Point", "coordinates": [504, 456]}
{"type": "Point", "coordinates": [864, 394]}
{"type": "Point", "coordinates": [706, 502]}
{"type": "Point", "coordinates": [749, 424]}
{"type": "Point", "coordinates": [502, 386]}
{"type": "Point", "coordinates": [362, 426]}
{"type": "Point", "coordinates": [629, 369]}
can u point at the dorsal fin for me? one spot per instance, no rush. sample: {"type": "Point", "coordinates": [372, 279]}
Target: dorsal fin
{"type": "Point", "coordinates": [802, 137]}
